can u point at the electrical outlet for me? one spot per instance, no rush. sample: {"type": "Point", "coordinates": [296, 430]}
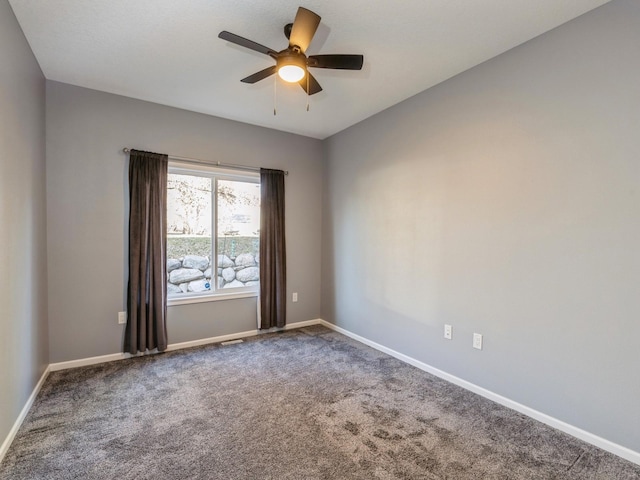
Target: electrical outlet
{"type": "Point", "coordinates": [448, 332]}
{"type": "Point", "coordinates": [122, 318]}
{"type": "Point", "coordinates": [477, 341]}
{"type": "Point", "coordinates": [294, 297]}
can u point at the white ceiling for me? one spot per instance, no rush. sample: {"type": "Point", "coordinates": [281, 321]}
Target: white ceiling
{"type": "Point", "coordinates": [167, 51]}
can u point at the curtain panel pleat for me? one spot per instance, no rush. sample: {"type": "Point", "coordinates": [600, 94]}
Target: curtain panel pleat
{"type": "Point", "coordinates": [147, 288]}
{"type": "Point", "coordinates": [273, 263]}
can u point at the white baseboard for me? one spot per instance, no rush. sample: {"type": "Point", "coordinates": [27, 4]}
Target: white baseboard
{"type": "Point", "coordinates": [83, 362]}
{"type": "Point", "coordinates": [235, 336]}
{"type": "Point", "coordinates": [306, 323]}
{"type": "Point", "coordinates": [23, 413]}
{"type": "Point", "coordinates": [583, 435]}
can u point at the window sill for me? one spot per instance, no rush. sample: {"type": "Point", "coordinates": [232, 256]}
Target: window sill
{"type": "Point", "coordinates": [211, 298]}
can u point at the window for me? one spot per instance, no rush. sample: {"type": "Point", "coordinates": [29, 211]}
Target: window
{"type": "Point", "coordinates": [212, 210]}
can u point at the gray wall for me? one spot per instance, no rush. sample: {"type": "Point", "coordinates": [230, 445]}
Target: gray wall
{"type": "Point", "coordinates": [87, 213]}
{"type": "Point", "coordinates": [505, 201]}
{"type": "Point", "coordinates": [23, 308]}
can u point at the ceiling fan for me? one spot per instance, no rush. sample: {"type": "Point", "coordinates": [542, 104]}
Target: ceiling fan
{"type": "Point", "coordinates": [291, 63]}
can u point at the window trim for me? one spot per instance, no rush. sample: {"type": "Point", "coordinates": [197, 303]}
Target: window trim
{"type": "Point", "coordinates": [215, 173]}
{"type": "Point", "coordinates": [211, 297]}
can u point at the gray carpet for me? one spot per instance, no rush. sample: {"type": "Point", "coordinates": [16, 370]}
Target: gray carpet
{"type": "Point", "coordinates": [304, 404]}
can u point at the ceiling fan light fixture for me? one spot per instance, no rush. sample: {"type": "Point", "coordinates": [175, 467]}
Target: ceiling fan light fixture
{"type": "Point", "coordinates": [291, 73]}
{"type": "Point", "coordinates": [292, 68]}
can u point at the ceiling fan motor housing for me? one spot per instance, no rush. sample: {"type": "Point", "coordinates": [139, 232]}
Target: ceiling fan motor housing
{"type": "Point", "coordinates": [291, 58]}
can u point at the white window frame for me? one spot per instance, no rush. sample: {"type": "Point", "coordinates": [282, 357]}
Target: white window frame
{"type": "Point", "coordinates": [215, 173]}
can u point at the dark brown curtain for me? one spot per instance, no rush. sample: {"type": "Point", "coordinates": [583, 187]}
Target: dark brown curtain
{"type": "Point", "coordinates": [147, 289]}
{"type": "Point", "coordinates": [273, 263]}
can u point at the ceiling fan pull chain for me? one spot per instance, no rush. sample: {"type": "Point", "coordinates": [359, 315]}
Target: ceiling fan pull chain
{"type": "Point", "coordinates": [307, 91]}
{"type": "Point", "coordinates": [275, 88]}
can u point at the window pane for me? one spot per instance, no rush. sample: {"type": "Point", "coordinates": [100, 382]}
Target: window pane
{"type": "Point", "coordinates": [188, 234]}
{"type": "Point", "coordinates": [238, 234]}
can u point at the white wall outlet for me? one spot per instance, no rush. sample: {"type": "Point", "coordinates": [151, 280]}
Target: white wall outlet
{"type": "Point", "coordinates": [448, 332]}
{"type": "Point", "coordinates": [122, 318]}
{"type": "Point", "coordinates": [477, 341]}
{"type": "Point", "coordinates": [294, 297]}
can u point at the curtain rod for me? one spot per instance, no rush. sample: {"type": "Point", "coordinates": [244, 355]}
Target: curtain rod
{"type": "Point", "coordinates": [209, 162]}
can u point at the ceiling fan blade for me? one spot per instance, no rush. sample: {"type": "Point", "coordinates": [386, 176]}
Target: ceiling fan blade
{"type": "Point", "coordinates": [243, 42]}
{"type": "Point", "coordinates": [341, 62]}
{"type": "Point", "coordinates": [261, 75]}
{"type": "Point", "coordinates": [304, 28]}
{"type": "Point", "coordinates": [314, 86]}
